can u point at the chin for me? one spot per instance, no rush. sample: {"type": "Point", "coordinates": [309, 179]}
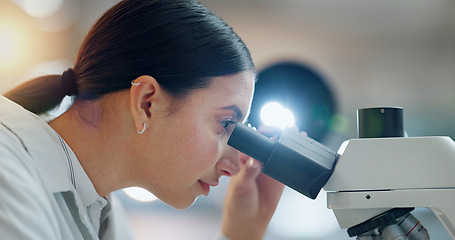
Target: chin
{"type": "Point", "coordinates": [181, 204]}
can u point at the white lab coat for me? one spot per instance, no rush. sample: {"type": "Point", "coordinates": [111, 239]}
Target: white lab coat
{"type": "Point", "coordinates": [44, 191]}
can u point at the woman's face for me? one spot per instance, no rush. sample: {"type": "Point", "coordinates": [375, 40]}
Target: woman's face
{"type": "Point", "coordinates": [189, 146]}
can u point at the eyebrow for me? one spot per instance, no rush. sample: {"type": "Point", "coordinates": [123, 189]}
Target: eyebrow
{"type": "Point", "coordinates": [238, 113]}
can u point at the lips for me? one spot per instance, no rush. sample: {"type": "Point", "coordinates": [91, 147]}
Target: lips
{"type": "Point", "coordinates": [206, 186]}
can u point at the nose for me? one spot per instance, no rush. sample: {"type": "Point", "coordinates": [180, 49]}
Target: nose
{"type": "Point", "coordinates": [229, 163]}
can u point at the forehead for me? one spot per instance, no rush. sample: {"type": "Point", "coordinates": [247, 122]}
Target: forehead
{"type": "Point", "coordinates": [232, 92]}
{"type": "Point", "coordinates": [239, 85]}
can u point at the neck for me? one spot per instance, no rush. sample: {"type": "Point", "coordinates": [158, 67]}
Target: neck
{"type": "Point", "coordinates": [96, 144]}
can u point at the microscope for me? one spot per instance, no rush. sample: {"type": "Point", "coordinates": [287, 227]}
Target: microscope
{"type": "Point", "coordinates": [374, 182]}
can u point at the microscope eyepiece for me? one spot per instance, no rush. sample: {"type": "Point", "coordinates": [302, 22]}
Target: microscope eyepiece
{"type": "Point", "coordinates": [294, 159]}
{"type": "Point", "coordinates": [250, 142]}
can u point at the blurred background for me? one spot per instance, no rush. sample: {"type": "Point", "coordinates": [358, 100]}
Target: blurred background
{"type": "Point", "coordinates": [363, 53]}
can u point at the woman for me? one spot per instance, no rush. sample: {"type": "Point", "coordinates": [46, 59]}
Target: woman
{"type": "Point", "coordinates": [158, 86]}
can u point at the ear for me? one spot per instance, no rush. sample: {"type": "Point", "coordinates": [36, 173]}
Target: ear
{"type": "Point", "coordinates": [145, 92]}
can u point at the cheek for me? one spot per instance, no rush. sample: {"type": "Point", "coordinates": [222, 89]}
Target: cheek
{"type": "Point", "coordinates": [190, 149]}
{"type": "Point", "coordinates": [201, 151]}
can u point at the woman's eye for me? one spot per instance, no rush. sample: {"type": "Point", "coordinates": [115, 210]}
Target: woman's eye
{"type": "Point", "coordinates": [227, 123]}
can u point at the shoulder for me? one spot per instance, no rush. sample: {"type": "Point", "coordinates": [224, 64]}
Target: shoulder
{"type": "Point", "coordinates": [26, 205]}
{"type": "Point", "coordinates": [14, 153]}
{"type": "Point", "coordinates": [24, 133]}
{"type": "Point", "coordinates": [25, 202]}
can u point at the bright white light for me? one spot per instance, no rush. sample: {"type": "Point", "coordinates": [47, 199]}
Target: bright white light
{"type": "Point", "coordinates": [139, 194]}
{"type": "Point", "coordinates": [41, 8]}
{"type": "Point", "coordinates": [273, 114]}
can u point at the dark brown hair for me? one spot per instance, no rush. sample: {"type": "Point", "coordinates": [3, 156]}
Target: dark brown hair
{"type": "Point", "coordinates": [181, 43]}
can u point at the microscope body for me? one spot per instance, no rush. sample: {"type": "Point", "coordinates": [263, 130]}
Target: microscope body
{"type": "Point", "coordinates": [373, 182]}
{"type": "Point", "coordinates": [374, 175]}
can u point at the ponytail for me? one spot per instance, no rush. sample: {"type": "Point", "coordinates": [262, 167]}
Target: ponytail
{"type": "Point", "coordinates": [44, 93]}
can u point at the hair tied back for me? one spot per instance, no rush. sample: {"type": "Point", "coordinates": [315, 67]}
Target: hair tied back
{"type": "Point", "coordinates": [68, 82]}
